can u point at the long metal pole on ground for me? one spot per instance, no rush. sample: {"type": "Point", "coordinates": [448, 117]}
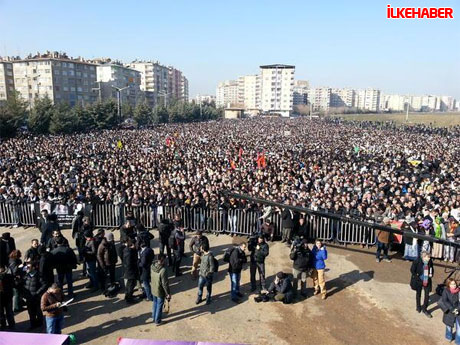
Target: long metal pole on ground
{"type": "Point", "coordinates": [341, 218]}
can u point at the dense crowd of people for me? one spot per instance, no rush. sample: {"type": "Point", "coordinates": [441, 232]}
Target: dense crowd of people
{"type": "Point", "coordinates": [368, 171]}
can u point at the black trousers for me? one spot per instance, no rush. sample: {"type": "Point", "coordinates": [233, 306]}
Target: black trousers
{"type": "Point", "coordinates": [257, 267]}
{"type": "Point", "coordinates": [35, 313]}
{"type": "Point", "coordinates": [6, 311]}
{"type": "Point", "coordinates": [177, 258]}
{"type": "Point", "coordinates": [418, 297]}
{"type": "Point", "coordinates": [168, 251]}
{"type": "Point", "coordinates": [129, 288]}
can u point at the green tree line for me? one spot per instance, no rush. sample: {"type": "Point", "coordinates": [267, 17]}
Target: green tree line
{"type": "Point", "coordinates": [48, 118]}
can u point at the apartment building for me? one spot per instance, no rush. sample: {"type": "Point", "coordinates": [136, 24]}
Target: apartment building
{"type": "Point", "coordinates": [319, 98]}
{"type": "Point", "coordinates": [184, 89]}
{"type": "Point", "coordinates": [227, 93]}
{"type": "Point", "coordinates": [277, 83]}
{"type": "Point", "coordinates": [61, 78]}
{"type": "Point", "coordinates": [6, 80]}
{"type": "Point", "coordinates": [112, 76]}
{"type": "Point", "coordinates": [249, 91]}
{"type": "Point", "coordinates": [368, 99]}
{"type": "Point", "coordinates": [300, 92]}
{"type": "Point", "coordinates": [202, 99]}
{"type": "Point", "coordinates": [343, 98]}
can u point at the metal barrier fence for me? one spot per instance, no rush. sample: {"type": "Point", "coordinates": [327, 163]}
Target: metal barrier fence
{"type": "Point", "coordinates": [232, 221]}
{"type": "Point", "coordinates": [17, 214]}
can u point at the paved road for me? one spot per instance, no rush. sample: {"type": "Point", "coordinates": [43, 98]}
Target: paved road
{"type": "Point", "coordinates": [368, 303]}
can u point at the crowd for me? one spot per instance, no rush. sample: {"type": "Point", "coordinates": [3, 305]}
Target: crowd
{"type": "Point", "coordinates": [37, 279]}
{"type": "Point", "coordinates": [368, 171]}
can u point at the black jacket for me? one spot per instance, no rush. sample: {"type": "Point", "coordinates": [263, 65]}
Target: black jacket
{"type": "Point", "coordinates": [32, 254]}
{"type": "Point", "coordinates": [126, 233]}
{"type": "Point", "coordinates": [7, 282]}
{"type": "Point", "coordinates": [144, 236]}
{"type": "Point", "coordinates": [237, 260]}
{"type": "Point", "coordinates": [145, 263]}
{"type": "Point", "coordinates": [287, 217]}
{"type": "Point", "coordinates": [52, 242]}
{"type": "Point", "coordinates": [259, 255]}
{"type": "Point", "coordinates": [302, 258]}
{"type": "Point", "coordinates": [7, 245]}
{"type": "Point", "coordinates": [90, 250]}
{"type": "Point", "coordinates": [130, 267]}
{"type": "Point", "coordinates": [450, 302]}
{"type": "Point", "coordinates": [416, 271]}
{"type": "Point", "coordinates": [165, 228]}
{"type": "Point", "coordinates": [284, 286]}
{"type": "Point", "coordinates": [64, 259]}
{"type": "Point", "coordinates": [34, 286]}
{"type": "Point", "coordinates": [46, 266]}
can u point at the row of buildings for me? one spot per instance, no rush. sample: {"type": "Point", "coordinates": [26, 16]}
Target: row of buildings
{"type": "Point", "coordinates": [79, 81]}
{"type": "Point", "coordinates": [274, 90]}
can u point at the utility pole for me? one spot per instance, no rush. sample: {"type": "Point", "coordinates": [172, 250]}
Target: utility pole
{"type": "Point", "coordinates": [311, 110]}
{"type": "Point", "coordinates": [119, 100]}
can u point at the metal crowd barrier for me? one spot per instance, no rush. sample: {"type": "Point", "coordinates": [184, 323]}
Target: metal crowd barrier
{"type": "Point", "coordinates": [17, 214]}
{"type": "Point", "coordinates": [356, 234]}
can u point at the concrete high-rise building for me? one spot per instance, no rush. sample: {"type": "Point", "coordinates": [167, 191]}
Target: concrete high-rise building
{"type": "Point", "coordinates": [300, 92]}
{"type": "Point", "coordinates": [227, 93]}
{"type": "Point", "coordinates": [177, 85]}
{"type": "Point", "coordinates": [430, 103]}
{"type": "Point", "coordinates": [446, 103]}
{"type": "Point", "coordinates": [319, 98]}
{"type": "Point", "coordinates": [6, 80]}
{"type": "Point", "coordinates": [201, 99]}
{"type": "Point", "coordinates": [62, 79]}
{"type": "Point", "coordinates": [368, 99]}
{"type": "Point", "coordinates": [249, 91]}
{"type": "Point", "coordinates": [111, 76]}
{"type": "Point", "coordinates": [396, 102]}
{"type": "Point", "coordinates": [277, 83]}
{"type": "Point", "coordinates": [166, 83]}
{"type": "Point", "coordinates": [416, 103]}
{"type": "Point", "coordinates": [342, 98]}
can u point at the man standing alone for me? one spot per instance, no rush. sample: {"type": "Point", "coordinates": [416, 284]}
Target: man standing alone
{"type": "Point", "coordinates": [160, 288]}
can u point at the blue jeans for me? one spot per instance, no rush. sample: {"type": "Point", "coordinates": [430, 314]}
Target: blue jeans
{"type": "Point", "coordinates": [54, 324]}
{"type": "Point", "coordinates": [449, 331]}
{"type": "Point", "coordinates": [91, 266]}
{"type": "Point", "coordinates": [202, 282]}
{"type": "Point", "coordinates": [157, 309]}
{"type": "Point", "coordinates": [147, 289]}
{"type": "Point", "coordinates": [382, 246]}
{"type": "Point", "coordinates": [69, 281]}
{"type": "Point", "coordinates": [235, 284]}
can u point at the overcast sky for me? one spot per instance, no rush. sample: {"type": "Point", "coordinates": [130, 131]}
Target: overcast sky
{"type": "Point", "coordinates": [331, 43]}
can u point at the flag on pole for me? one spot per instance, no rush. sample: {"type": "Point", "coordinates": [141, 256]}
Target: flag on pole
{"type": "Point", "coordinates": [119, 144]}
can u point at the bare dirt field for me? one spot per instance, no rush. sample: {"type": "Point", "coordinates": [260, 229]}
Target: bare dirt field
{"type": "Point", "coordinates": [368, 303]}
{"type": "Point", "coordinates": [436, 119]}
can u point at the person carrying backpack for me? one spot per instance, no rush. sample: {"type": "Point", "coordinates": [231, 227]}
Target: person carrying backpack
{"type": "Point", "coordinates": [207, 269]}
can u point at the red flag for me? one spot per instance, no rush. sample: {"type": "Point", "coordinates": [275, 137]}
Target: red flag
{"type": "Point", "coordinates": [240, 153]}
{"type": "Point", "coordinates": [232, 165]}
{"type": "Point", "coordinates": [168, 141]}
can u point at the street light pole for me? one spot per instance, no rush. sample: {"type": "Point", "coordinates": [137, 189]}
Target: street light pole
{"type": "Point", "coordinates": [119, 99]}
{"type": "Point", "coordinates": [407, 113]}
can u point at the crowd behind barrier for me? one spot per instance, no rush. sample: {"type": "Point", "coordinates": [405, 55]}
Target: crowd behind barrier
{"type": "Point", "coordinates": [234, 221]}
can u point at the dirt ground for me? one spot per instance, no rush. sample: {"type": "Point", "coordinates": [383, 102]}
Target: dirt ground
{"type": "Point", "coordinates": [368, 303]}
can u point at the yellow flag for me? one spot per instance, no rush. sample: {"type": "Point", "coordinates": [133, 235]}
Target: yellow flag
{"type": "Point", "coordinates": [415, 162]}
{"type": "Point", "coordinates": [119, 144]}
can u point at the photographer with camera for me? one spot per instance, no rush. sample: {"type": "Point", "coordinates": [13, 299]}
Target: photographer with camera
{"type": "Point", "coordinates": [281, 288]}
{"type": "Point", "coordinates": [300, 255]}
{"type": "Point", "coordinates": [259, 251]}
{"type": "Point", "coordinates": [450, 306]}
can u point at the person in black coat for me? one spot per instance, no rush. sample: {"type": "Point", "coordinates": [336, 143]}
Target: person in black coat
{"type": "Point", "coordinates": [32, 253]}
{"type": "Point", "coordinates": [34, 287]}
{"type": "Point", "coordinates": [146, 257]}
{"type": "Point", "coordinates": [422, 272]}
{"type": "Point", "coordinates": [130, 269]}
{"type": "Point", "coordinates": [6, 299]}
{"type": "Point", "coordinates": [450, 305]}
{"type": "Point", "coordinates": [281, 288]}
{"type": "Point", "coordinates": [48, 227]}
{"type": "Point", "coordinates": [90, 253]}
{"type": "Point", "coordinates": [288, 225]}
{"type": "Point", "coordinates": [65, 261]}
{"type": "Point", "coordinates": [178, 247]}
{"type": "Point", "coordinates": [259, 251]}
{"type": "Point", "coordinates": [165, 229]}
{"type": "Point", "coordinates": [45, 266]}
{"type": "Point", "coordinates": [7, 245]}
{"type": "Point", "coordinates": [236, 261]}
{"type": "Point", "coordinates": [57, 237]}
